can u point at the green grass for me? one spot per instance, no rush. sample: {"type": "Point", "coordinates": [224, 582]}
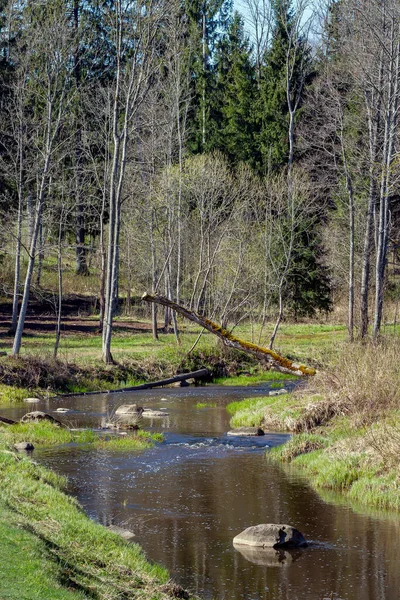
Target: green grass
{"type": "Point", "coordinates": [50, 549]}
{"type": "Point", "coordinates": [44, 433]}
{"type": "Point", "coordinates": [11, 394]}
{"type": "Point", "coordinates": [255, 378]}
{"type": "Point", "coordinates": [341, 458]}
{"type": "Point", "coordinates": [139, 440]}
{"type": "Point", "coordinates": [96, 561]}
{"type": "Point", "coordinates": [272, 412]}
{"type": "Point", "coordinates": [205, 405]}
{"type": "Point", "coordinates": [27, 571]}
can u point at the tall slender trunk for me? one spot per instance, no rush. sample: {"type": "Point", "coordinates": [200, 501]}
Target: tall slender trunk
{"type": "Point", "coordinates": [374, 125]}
{"type": "Point", "coordinates": [17, 273]}
{"type": "Point", "coordinates": [350, 324]}
{"type": "Point", "coordinates": [153, 275]}
{"type": "Point", "coordinates": [40, 254]}
{"type": "Point", "coordinates": [31, 262]}
{"type": "Point", "coordinates": [103, 263]}
{"type": "Point", "coordinates": [389, 149]}
{"type": "Point", "coordinates": [278, 319]}
{"type": "Point", "coordinates": [60, 286]}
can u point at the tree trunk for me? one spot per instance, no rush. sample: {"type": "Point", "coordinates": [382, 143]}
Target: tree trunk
{"type": "Point", "coordinates": [60, 289]}
{"type": "Point", "coordinates": [17, 274]}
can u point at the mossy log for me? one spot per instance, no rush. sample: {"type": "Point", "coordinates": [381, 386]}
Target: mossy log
{"type": "Point", "coordinates": [271, 358]}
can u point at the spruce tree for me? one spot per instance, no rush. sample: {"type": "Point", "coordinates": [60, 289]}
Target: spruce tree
{"type": "Point", "coordinates": [233, 122]}
{"type": "Point", "coordinates": [273, 106]}
{"type": "Point", "coordinates": [208, 22]}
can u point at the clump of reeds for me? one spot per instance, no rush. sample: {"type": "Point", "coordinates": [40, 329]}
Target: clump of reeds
{"type": "Point", "coordinates": [365, 380]}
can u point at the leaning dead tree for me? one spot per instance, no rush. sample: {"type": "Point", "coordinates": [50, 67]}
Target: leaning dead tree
{"type": "Point", "coordinates": [267, 356]}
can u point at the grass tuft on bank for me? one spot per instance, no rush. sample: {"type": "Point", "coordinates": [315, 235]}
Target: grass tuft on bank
{"type": "Point", "coordinates": [45, 433]}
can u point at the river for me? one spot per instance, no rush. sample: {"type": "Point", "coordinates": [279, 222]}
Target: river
{"type": "Point", "coordinates": [186, 498]}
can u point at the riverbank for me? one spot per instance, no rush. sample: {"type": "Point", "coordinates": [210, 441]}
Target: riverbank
{"type": "Point", "coordinates": [59, 551]}
{"type": "Point", "coordinates": [140, 358]}
{"type": "Point", "coordinates": [345, 424]}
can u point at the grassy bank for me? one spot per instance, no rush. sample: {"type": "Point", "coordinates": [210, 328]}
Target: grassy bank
{"type": "Point", "coordinates": [141, 358]}
{"type": "Point", "coordinates": [51, 550]}
{"type": "Point", "coordinates": [44, 433]}
{"type": "Point", "coordinates": [345, 424]}
{"type": "Point", "coordinates": [62, 553]}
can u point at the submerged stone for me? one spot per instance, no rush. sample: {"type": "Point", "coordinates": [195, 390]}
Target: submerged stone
{"type": "Point", "coordinates": [278, 392]}
{"type": "Point", "coordinates": [270, 535]}
{"type": "Point", "coordinates": [32, 400]}
{"type": "Point", "coordinates": [149, 413]}
{"type": "Point", "coordinates": [124, 533]}
{"type": "Point", "coordinates": [243, 431]}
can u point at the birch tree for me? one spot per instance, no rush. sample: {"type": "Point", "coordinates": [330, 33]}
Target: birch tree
{"type": "Point", "coordinates": [46, 45]}
{"type": "Point", "coordinates": [134, 27]}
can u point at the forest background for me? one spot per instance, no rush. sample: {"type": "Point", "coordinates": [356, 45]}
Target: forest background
{"type": "Point", "coordinates": [244, 165]}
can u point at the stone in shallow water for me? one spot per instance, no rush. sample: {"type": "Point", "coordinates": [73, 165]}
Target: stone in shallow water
{"type": "Point", "coordinates": [38, 415]}
{"type": "Point", "coordinates": [270, 535]}
{"type": "Point", "coordinates": [32, 400]}
{"type": "Point", "coordinates": [124, 533]}
{"type": "Point", "coordinates": [243, 431]}
{"type": "Point", "coordinates": [62, 410]}
{"type": "Point", "coordinates": [149, 413]}
{"type": "Point", "coordinates": [129, 409]}
{"type": "Point", "coordinates": [24, 446]}
{"type": "Point", "coordinates": [278, 392]}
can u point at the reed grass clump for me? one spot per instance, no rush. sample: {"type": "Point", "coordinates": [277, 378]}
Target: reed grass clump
{"type": "Point", "coordinates": [346, 426]}
{"type": "Point", "coordinates": [365, 379]}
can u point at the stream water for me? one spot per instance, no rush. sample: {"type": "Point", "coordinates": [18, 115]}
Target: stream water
{"type": "Point", "coordinates": [186, 499]}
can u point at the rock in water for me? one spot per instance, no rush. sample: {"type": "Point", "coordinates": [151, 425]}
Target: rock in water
{"type": "Point", "coordinates": [243, 431]}
{"type": "Point", "coordinates": [124, 533]}
{"type": "Point", "coordinates": [24, 446]}
{"type": "Point", "coordinates": [149, 413]}
{"type": "Point", "coordinates": [271, 535]}
{"type": "Point", "coordinates": [278, 392]}
{"type": "Point", "coordinates": [38, 415]}
{"type": "Point", "coordinates": [129, 409]}
{"type": "Point", "coordinates": [32, 400]}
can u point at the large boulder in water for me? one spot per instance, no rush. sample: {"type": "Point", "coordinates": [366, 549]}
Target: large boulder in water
{"type": "Point", "coordinates": [270, 535]}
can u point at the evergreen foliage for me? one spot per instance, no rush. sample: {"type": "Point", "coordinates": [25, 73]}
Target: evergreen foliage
{"type": "Point", "coordinates": [235, 95]}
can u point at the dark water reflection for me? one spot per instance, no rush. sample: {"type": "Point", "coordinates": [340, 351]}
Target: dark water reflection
{"type": "Point", "coordinates": [187, 498]}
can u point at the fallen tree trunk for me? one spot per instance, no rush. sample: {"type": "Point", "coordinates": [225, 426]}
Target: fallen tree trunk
{"type": "Point", "coordinates": [271, 358]}
{"type": "Point", "coordinates": [146, 386]}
